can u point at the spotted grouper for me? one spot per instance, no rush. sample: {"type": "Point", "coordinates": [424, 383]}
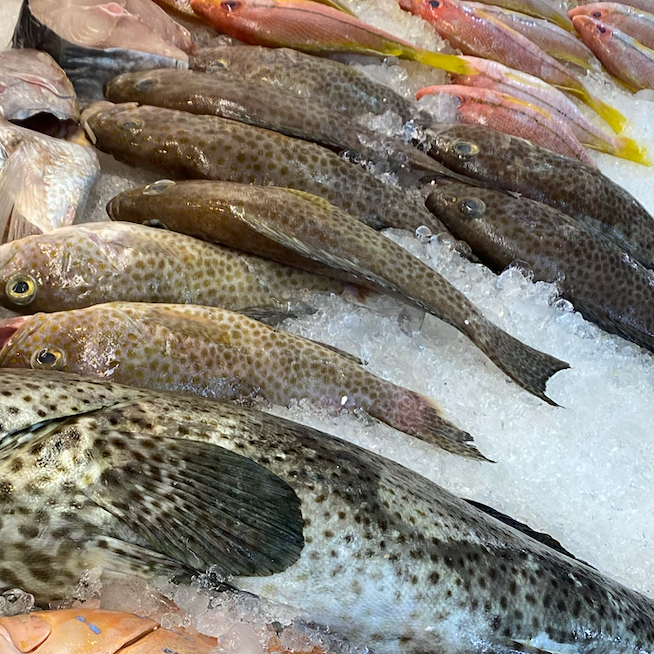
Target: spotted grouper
{"type": "Point", "coordinates": [95, 474]}
{"type": "Point", "coordinates": [220, 354]}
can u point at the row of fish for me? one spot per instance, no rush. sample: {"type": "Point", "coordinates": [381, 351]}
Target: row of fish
{"type": "Point", "coordinates": [352, 540]}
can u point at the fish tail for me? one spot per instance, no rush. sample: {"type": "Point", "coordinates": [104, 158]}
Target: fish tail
{"type": "Point", "coordinates": [450, 63]}
{"type": "Point", "coordinates": [421, 417]}
{"type": "Point", "coordinates": [528, 367]}
{"type": "Point", "coordinates": [611, 115]}
{"type": "Point", "coordinates": [628, 149]}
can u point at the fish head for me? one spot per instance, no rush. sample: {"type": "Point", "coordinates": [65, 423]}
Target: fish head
{"type": "Point", "coordinates": [468, 149]}
{"type": "Point", "coordinates": [131, 85]}
{"type": "Point", "coordinates": [106, 122]}
{"type": "Point", "coordinates": [598, 11]}
{"type": "Point", "coordinates": [461, 208]}
{"type": "Point", "coordinates": [592, 31]}
{"type": "Point", "coordinates": [81, 341]}
{"type": "Point", "coordinates": [219, 13]}
{"type": "Point", "coordinates": [81, 630]}
{"type": "Point", "coordinates": [62, 269]}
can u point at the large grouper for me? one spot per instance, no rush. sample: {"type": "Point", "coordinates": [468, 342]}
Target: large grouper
{"type": "Point", "coordinates": [135, 481]}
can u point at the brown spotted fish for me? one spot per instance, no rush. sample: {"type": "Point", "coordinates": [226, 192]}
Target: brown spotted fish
{"type": "Point", "coordinates": [149, 483]}
{"type": "Point", "coordinates": [75, 267]}
{"type": "Point", "coordinates": [263, 105]}
{"type": "Point", "coordinates": [601, 280]}
{"type": "Point", "coordinates": [330, 84]}
{"type": "Point", "coordinates": [219, 354]}
{"type": "Point", "coordinates": [250, 217]}
{"type": "Point", "coordinates": [575, 188]}
{"type": "Point", "coordinates": [182, 145]}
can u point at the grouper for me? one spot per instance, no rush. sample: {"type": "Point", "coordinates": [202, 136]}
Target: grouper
{"type": "Point", "coordinates": [97, 474]}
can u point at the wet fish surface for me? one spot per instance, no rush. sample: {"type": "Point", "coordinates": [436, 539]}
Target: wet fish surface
{"type": "Point", "coordinates": [31, 83]}
{"type": "Point", "coordinates": [605, 284]}
{"type": "Point", "coordinates": [288, 513]}
{"type": "Point", "coordinates": [99, 40]}
{"type": "Point", "coordinates": [263, 105]}
{"type": "Point", "coordinates": [72, 268]}
{"type": "Point", "coordinates": [249, 217]}
{"type": "Point", "coordinates": [218, 354]}
{"type": "Point", "coordinates": [44, 181]}
{"type": "Point", "coordinates": [576, 189]}
{"type": "Point", "coordinates": [183, 146]}
{"type": "Point", "coordinates": [331, 84]}
{"type": "Point", "coordinates": [88, 631]}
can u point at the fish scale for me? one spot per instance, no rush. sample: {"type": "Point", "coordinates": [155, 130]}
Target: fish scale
{"type": "Point", "coordinates": [184, 146]}
{"type": "Point", "coordinates": [354, 541]}
{"type": "Point", "coordinates": [78, 266]}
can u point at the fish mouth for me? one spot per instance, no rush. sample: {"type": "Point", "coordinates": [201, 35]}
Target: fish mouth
{"type": "Point", "coordinates": [8, 328]}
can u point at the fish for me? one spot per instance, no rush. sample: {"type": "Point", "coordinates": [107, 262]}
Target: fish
{"type": "Point", "coordinates": [94, 40]}
{"type": "Point", "coordinates": [482, 106]}
{"type": "Point", "coordinates": [44, 181]}
{"type": "Point", "coordinates": [550, 37]}
{"type": "Point", "coordinates": [88, 631]}
{"type": "Point", "coordinates": [575, 188]}
{"type": "Point", "coordinates": [331, 84]}
{"type": "Point", "coordinates": [531, 89]}
{"type": "Point", "coordinates": [32, 83]}
{"type": "Point", "coordinates": [477, 33]}
{"type": "Point", "coordinates": [638, 24]}
{"type": "Point", "coordinates": [537, 9]}
{"type": "Point", "coordinates": [606, 285]}
{"type": "Point", "coordinates": [75, 267]}
{"type": "Point", "coordinates": [263, 105]}
{"type": "Point", "coordinates": [148, 483]}
{"type": "Point", "coordinates": [313, 27]}
{"type": "Point", "coordinates": [240, 215]}
{"type": "Point", "coordinates": [621, 55]}
{"type": "Point", "coordinates": [219, 354]}
{"type": "Point", "coordinates": [177, 144]}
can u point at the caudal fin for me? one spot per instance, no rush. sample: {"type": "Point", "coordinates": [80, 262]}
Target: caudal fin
{"type": "Point", "coordinates": [528, 367]}
{"type": "Point", "coordinates": [611, 115]}
{"type": "Point", "coordinates": [421, 417]}
{"type": "Point", "coordinates": [629, 149]}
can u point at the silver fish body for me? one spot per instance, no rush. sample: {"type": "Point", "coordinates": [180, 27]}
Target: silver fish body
{"type": "Point", "coordinates": [31, 82]}
{"type": "Point", "coordinates": [93, 473]}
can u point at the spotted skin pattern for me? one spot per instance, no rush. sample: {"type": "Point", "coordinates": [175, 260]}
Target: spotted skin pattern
{"type": "Point", "coordinates": [331, 84]}
{"type": "Point", "coordinates": [181, 145]}
{"type": "Point", "coordinates": [576, 189]}
{"type": "Point", "coordinates": [263, 105]}
{"type": "Point", "coordinates": [246, 217]}
{"type": "Point", "coordinates": [387, 558]}
{"type": "Point", "coordinates": [219, 354]}
{"type": "Point", "coordinates": [604, 283]}
{"type": "Point", "coordinates": [78, 266]}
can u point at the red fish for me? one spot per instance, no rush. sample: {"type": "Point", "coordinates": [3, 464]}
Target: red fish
{"type": "Point", "coordinates": [313, 27]}
{"type": "Point", "coordinates": [475, 32]}
{"type": "Point", "coordinates": [621, 55]}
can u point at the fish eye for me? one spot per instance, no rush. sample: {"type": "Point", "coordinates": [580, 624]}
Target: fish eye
{"type": "Point", "coordinates": [472, 207]}
{"type": "Point", "coordinates": [596, 14]}
{"type": "Point", "coordinates": [21, 289]}
{"type": "Point", "coordinates": [465, 149]}
{"type": "Point", "coordinates": [131, 125]}
{"type": "Point", "coordinates": [145, 84]}
{"type": "Point", "coordinates": [601, 29]}
{"type": "Point", "coordinates": [219, 64]}
{"type": "Point", "coordinates": [434, 3]}
{"type": "Point", "coordinates": [48, 359]}
{"type": "Point", "coordinates": [230, 5]}
{"type": "Point", "coordinates": [158, 187]}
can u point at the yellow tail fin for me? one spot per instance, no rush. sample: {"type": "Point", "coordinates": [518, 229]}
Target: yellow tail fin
{"type": "Point", "coordinates": [629, 149]}
{"type": "Point", "coordinates": [612, 116]}
{"type": "Point", "coordinates": [450, 63]}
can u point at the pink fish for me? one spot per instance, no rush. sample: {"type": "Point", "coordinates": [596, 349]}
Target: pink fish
{"type": "Point", "coordinates": [621, 55]}
{"type": "Point", "coordinates": [636, 23]}
{"type": "Point", "coordinates": [477, 33]}
{"type": "Point", "coordinates": [506, 114]}
{"type": "Point", "coordinates": [313, 27]}
{"type": "Point", "coordinates": [556, 41]}
{"type": "Point", "coordinates": [493, 75]}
